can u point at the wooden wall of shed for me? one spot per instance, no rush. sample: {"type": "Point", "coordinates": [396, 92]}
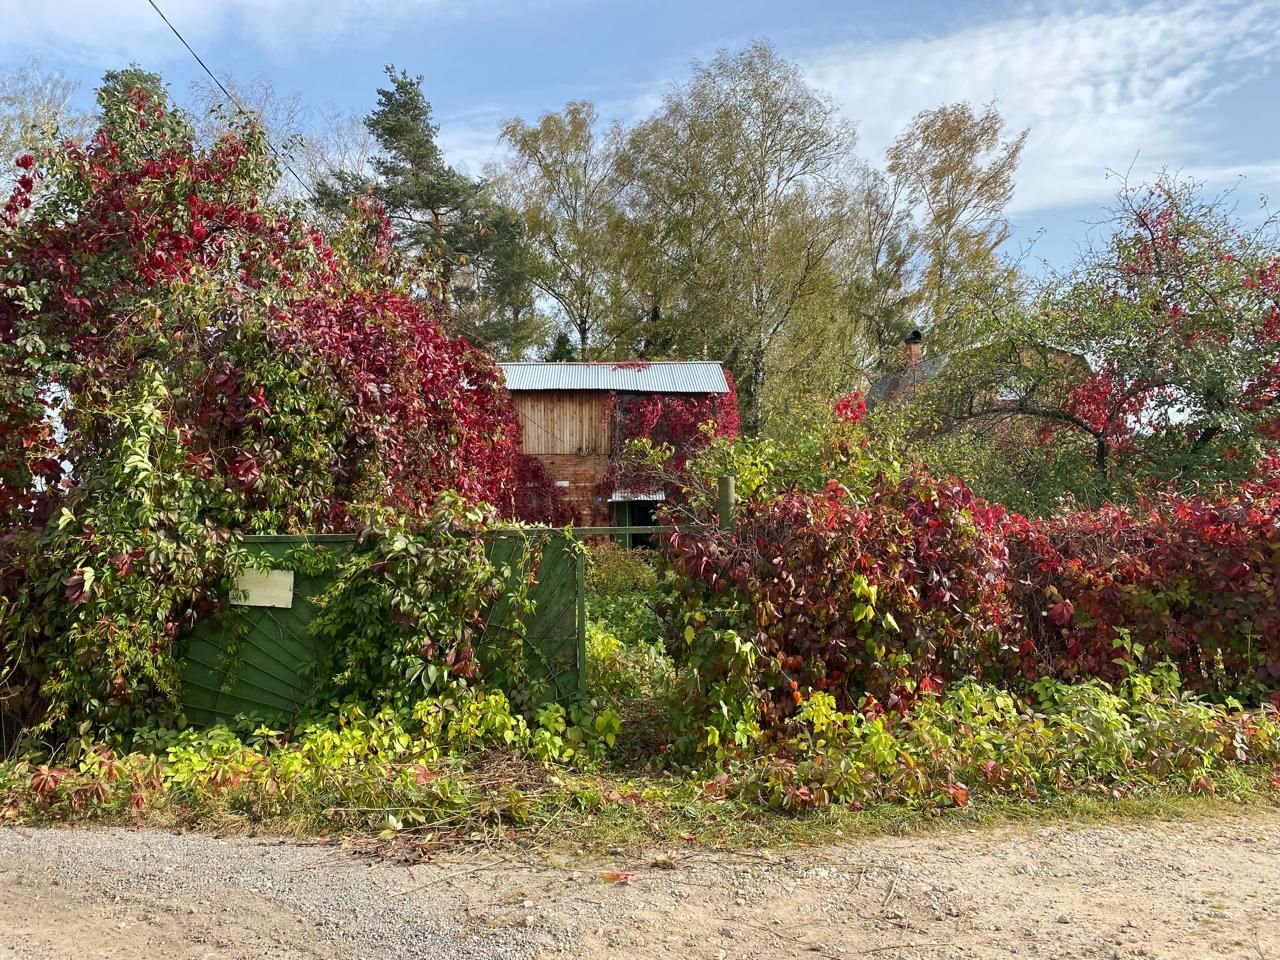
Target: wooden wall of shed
{"type": "Point", "coordinates": [557, 423]}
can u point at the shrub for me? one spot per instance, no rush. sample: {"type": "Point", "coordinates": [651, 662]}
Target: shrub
{"type": "Point", "coordinates": [1180, 578]}
{"type": "Point", "coordinates": [613, 570]}
{"type": "Point", "coordinates": [185, 360]}
{"type": "Point", "coordinates": [619, 671]}
{"type": "Point", "coordinates": [877, 598]}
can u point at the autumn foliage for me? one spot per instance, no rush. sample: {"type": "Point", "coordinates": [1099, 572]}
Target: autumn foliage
{"type": "Point", "coordinates": [889, 584]}
{"type": "Point", "coordinates": [674, 426]}
{"type": "Point", "coordinates": [1195, 581]}
{"type": "Point", "coordinates": [859, 598]}
{"type": "Point", "coordinates": [537, 498]}
{"type": "Point", "coordinates": [184, 360]}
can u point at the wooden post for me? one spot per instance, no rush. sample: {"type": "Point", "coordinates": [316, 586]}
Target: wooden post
{"type": "Point", "coordinates": [581, 576]}
{"type": "Point", "coordinates": [724, 506]}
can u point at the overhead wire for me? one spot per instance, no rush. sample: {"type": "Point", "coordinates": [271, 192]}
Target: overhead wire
{"type": "Point", "coordinates": [284, 162]}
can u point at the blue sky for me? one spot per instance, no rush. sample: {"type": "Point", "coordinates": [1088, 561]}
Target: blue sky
{"type": "Point", "coordinates": [1103, 86]}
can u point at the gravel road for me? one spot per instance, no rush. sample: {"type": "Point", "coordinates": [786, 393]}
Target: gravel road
{"type": "Point", "coordinates": [1208, 888]}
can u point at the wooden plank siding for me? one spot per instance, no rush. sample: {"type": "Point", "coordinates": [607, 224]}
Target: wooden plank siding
{"type": "Point", "coordinates": [557, 423]}
{"type": "Point", "coordinates": [568, 432]}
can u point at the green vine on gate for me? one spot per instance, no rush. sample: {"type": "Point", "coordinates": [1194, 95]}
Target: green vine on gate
{"type": "Point", "coordinates": [412, 612]}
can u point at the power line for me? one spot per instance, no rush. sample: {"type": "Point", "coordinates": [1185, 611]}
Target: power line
{"type": "Point", "coordinates": [234, 102]}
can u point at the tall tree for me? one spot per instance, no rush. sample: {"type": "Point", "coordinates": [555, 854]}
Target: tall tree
{"type": "Point", "coordinates": [854, 334]}
{"type": "Point", "coordinates": [496, 305]}
{"type": "Point", "coordinates": [957, 168]}
{"type": "Point", "coordinates": [464, 248]}
{"type": "Point", "coordinates": [565, 172]}
{"type": "Point", "coordinates": [750, 170]}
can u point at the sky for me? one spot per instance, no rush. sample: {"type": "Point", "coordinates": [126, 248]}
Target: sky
{"type": "Point", "coordinates": [1106, 89]}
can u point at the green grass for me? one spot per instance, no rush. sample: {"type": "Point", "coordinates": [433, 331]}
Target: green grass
{"type": "Point", "coordinates": [733, 825]}
{"type": "Point", "coordinates": [674, 815]}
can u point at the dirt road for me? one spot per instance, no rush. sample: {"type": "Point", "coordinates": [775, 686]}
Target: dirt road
{"type": "Point", "coordinates": [1209, 888]}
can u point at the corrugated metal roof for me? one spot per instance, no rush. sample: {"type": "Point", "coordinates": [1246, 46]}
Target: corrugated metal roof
{"type": "Point", "coordinates": [622, 496]}
{"type": "Point", "coordinates": [663, 376]}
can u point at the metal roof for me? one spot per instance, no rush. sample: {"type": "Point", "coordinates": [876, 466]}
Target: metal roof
{"type": "Point", "coordinates": [622, 496]}
{"type": "Point", "coordinates": [894, 385]}
{"type": "Point", "coordinates": [661, 376]}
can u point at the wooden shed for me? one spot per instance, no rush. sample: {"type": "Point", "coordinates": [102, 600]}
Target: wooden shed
{"type": "Point", "coordinates": [567, 420]}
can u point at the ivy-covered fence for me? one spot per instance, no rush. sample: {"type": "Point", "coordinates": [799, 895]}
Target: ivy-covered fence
{"type": "Point", "coordinates": [271, 651]}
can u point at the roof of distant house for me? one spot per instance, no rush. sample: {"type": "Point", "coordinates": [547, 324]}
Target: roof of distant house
{"type": "Point", "coordinates": [900, 383]}
{"type": "Point", "coordinates": [660, 376]}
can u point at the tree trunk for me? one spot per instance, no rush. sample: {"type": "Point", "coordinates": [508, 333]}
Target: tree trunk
{"type": "Point", "coordinates": [755, 416]}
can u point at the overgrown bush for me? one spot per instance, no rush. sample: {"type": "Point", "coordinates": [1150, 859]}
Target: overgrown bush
{"type": "Point", "coordinates": [408, 614]}
{"type": "Point", "coordinates": [852, 574]}
{"type": "Point", "coordinates": [865, 600]}
{"type": "Point", "coordinates": [183, 360]}
{"type": "Point", "coordinates": [464, 764]}
{"type": "Point", "coordinates": [613, 570]}
{"type": "Point", "coordinates": [1182, 579]}
{"type": "Point", "coordinates": [625, 671]}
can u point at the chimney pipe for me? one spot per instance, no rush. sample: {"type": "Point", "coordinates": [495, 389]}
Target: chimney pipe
{"type": "Point", "coordinates": [914, 347]}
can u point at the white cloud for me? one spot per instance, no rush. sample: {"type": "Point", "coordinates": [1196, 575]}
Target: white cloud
{"type": "Point", "coordinates": [470, 140]}
{"type": "Point", "coordinates": [1097, 87]}
{"type": "Point", "coordinates": [113, 31]}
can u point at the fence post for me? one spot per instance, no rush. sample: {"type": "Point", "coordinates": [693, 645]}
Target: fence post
{"type": "Point", "coordinates": [724, 506]}
{"type": "Point", "coordinates": [580, 573]}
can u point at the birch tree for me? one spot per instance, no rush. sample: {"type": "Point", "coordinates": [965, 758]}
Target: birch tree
{"type": "Point", "coordinates": [752, 170]}
{"type": "Point", "coordinates": [564, 176]}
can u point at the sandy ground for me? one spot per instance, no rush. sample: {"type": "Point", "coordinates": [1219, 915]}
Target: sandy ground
{"type": "Point", "coordinates": [1208, 888]}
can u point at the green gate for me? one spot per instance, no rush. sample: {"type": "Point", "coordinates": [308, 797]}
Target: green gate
{"type": "Point", "coordinates": [259, 656]}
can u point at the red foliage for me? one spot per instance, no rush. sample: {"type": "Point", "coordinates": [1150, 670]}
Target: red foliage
{"type": "Point", "coordinates": [1193, 581]}
{"type": "Point", "coordinates": [852, 407]}
{"type": "Point", "coordinates": [419, 413]}
{"type": "Point", "coordinates": [676, 418]}
{"type": "Point", "coordinates": [884, 598]}
{"type": "Point", "coordinates": [411, 387]}
{"type": "Point", "coordinates": [684, 421]}
{"type": "Point", "coordinates": [537, 498]}
{"type": "Point", "coordinates": [1110, 406]}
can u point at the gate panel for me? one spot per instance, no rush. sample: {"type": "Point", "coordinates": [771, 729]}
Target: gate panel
{"type": "Point", "coordinates": [261, 660]}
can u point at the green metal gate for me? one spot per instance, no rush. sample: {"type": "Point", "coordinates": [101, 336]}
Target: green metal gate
{"type": "Point", "coordinates": [260, 659]}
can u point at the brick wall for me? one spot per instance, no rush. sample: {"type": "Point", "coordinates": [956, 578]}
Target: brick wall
{"type": "Point", "coordinates": [582, 473]}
